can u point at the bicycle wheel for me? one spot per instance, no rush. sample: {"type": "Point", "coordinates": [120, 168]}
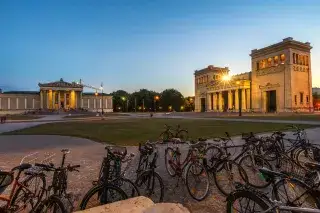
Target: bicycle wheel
{"type": "Point", "coordinates": [170, 158]}
{"type": "Point", "coordinates": [150, 184]}
{"type": "Point", "coordinates": [227, 175]}
{"type": "Point", "coordinates": [293, 192]}
{"type": "Point", "coordinates": [213, 155]}
{"type": "Point", "coordinates": [304, 156]}
{"type": "Point", "coordinates": [51, 204]}
{"type": "Point", "coordinates": [197, 173]}
{"type": "Point", "coordinates": [251, 165]}
{"type": "Point", "coordinates": [102, 194]}
{"type": "Point", "coordinates": [127, 186]}
{"type": "Point", "coordinates": [246, 201]}
{"type": "Point", "coordinates": [29, 195]}
{"type": "Point", "coordinates": [182, 134]}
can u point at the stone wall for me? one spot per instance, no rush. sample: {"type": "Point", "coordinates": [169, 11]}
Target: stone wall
{"type": "Point", "coordinates": [138, 205]}
{"type": "Point", "coordinates": [19, 102]}
{"type": "Point", "coordinates": [95, 103]}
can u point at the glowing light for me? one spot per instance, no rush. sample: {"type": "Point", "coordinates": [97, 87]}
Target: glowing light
{"type": "Point", "coordinates": [156, 97]}
{"type": "Point", "coordinates": [123, 98]}
{"type": "Point", "coordinates": [238, 82]}
{"type": "Point", "coordinates": [226, 78]}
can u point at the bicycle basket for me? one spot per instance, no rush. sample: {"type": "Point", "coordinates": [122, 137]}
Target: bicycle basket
{"type": "Point", "coordinates": [6, 178]}
{"type": "Point", "coordinates": [116, 152]}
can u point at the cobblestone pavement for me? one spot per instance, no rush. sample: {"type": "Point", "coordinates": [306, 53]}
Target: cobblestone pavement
{"type": "Point", "coordinates": [89, 155]}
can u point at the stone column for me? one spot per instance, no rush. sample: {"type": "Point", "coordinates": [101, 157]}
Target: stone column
{"type": "Point", "coordinates": [243, 99]}
{"type": "Point", "coordinates": [248, 98]}
{"type": "Point", "coordinates": [33, 103]}
{"type": "Point", "coordinates": [53, 100]}
{"type": "Point", "coordinates": [76, 99]}
{"type": "Point", "coordinates": [230, 104]}
{"type": "Point", "coordinates": [65, 100]}
{"type": "Point", "coordinates": [88, 103]}
{"type": "Point", "coordinates": [215, 101]}
{"type": "Point", "coordinates": [47, 95]}
{"type": "Point", "coordinates": [25, 103]}
{"type": "Point", "coordinates": [106, 106]}
{"type": "Point", "coordinates": [236, 99]}
{"type": "Point", "coordinates": [81, 99]}
{"type": "Point", "coordinates": [0, 104]}
{"type": "Point", "coordinates": [220, 102]}
{"type": "Point", "coordinates": [9, 103]}
{"type": "Point", "coordinates": [208, 99]}
{"type": "Point", "coordinates": [59, 100]}
{"type": "Point", "coordinates": [41, 99]}
{"type": "Point", "coordinates": [17, 103]}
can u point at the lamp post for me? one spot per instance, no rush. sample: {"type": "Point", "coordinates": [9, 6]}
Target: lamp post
{"type": "Point", "coordinates": [156, 98]}
{"type": "Point", "coordinates": [239, 98]}
{"type": "Point", "coordinates": [123, 99]}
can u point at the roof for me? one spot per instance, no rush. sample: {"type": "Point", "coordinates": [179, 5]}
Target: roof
{"type": "Point", "coordinates": [211, 68]}
{"type": "Point", "coordinates": [285, 43]}
{"type": "Point", "coordinates": [61, 83]}
{"type": "Point", "coordinates": [22, 92]}
{"type": "Point", "coordinates": [93, 93]}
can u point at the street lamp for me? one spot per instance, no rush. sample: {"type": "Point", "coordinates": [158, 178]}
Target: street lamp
{"type": "Point", "coordinates": [156, 98]}
{"type": "Point", "coordinates": [239, 98]}
{"type": "Point", "coordinates": [101, 88]}
{"type": "Point", "coordinates": [124, 99]}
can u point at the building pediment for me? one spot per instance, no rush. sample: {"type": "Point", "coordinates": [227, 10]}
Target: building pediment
{"type": "Point", "coordinates": [61, 84]}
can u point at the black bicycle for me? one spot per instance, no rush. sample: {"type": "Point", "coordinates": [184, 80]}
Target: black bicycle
{"type": "Point", "coordinates": [56, 193]}
{"type": "Point", "coordinates": [108, 187]}
{"type": "Point", "coordinates": [148, 180]}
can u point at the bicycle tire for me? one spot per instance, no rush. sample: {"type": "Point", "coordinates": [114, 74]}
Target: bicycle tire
{"type": "Point", "coordinates": [303, 152]}
{"type": "Point", "coordinates": [98, 189]}
{"type": "Point", "coordinates": [24, 183]}
{"type": "Point", "coordinates": [203, 170]}
{"type": "Point", "coordinates": [212, 161]}
{"type": "Point", "coordinates": [265, 164]}
{"type": "Point", "coordinates": [167, 164]}
{"type": "Point", "coordinates": [245, 194]}
{"type": "Point", "coordinates": [52, 200]}
{"type": "Point", "coordinates": [227, 165]}
{"type": "Point", "coordinates": [132, 192]}
{"type": "Point", "coordinates": [144, 177]}
{"type": "Point", "coordinates": [293, 183]}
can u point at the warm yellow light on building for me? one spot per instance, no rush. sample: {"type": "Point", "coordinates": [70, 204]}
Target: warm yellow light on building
{"type": "Point", "coordinates": [226, 78]}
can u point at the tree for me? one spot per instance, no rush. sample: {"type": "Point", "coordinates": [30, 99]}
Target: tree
{"type": "Point", "coordinates": [189, 104]}
{"type": "Point", "coordinates": [171, 99]}
{"type": "Point", "coordinates": [143, 98]}
{"type": "Point", "coordinates": [120, 98]}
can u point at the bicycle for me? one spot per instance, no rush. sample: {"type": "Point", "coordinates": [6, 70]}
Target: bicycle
{"type": "Point", "coordinates": [146, 174]}
{"type": "Point", "coordinates": [277, 202]}
{"type": "Point", "coordinates": [192, 165]}
{"type": "Point", "coordinates": [20, 188]}
{"type": "Point", "coordinates": [169, 133]}
{"type": "Point", "coordinates": [57, 191]}
{"type": "Point", "coordinates": [107, 187]}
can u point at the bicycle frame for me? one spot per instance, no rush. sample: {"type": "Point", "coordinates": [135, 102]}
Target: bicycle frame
{"type": "Point", "coordinates": [181, 166]}
{"type": "Point", "coordinates": [16, 184]}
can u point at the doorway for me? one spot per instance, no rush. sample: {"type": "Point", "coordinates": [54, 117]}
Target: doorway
{"type": "Point", "coordinates": [203, 104]}
{"type": "Point", "coordinates": [225, 101]}
{"type": "Point", "coordinates": [271, 101]}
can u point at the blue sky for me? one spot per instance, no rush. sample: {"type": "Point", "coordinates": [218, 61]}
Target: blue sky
{"type": "Point", "coordinates": [143, 44]}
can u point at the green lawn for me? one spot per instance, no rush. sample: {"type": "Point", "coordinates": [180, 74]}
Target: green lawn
{"type": "Point", "coordinates": [133, 131]}
{"type": "Point", "coordinates": [22, 117]}
{"type": "Point", "coordinates": [295, 117]}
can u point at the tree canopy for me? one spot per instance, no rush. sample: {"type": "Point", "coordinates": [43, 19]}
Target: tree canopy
{"type": "Point", "coordinates": [149, 101]}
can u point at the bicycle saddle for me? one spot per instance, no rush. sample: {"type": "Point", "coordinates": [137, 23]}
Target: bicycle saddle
{"type": "Point", "coordinates": [267, 173]}
{"type": "Point", "coordinates": [22, 167]}
{"type": "Point", "coordinates": [65, 151]}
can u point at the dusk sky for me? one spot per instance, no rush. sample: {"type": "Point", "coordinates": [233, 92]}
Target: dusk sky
{"type": "Point", "coordinates": [153, 44]}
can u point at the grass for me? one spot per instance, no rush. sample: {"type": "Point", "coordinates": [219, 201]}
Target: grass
{"type": "Point", "coordinates": [22, 117]}
{"type": "Point", "coordinates": [133, 131]}
{"type": "Point", "coordinates": [294, 117]}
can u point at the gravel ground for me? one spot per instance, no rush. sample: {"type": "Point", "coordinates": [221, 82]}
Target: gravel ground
{"type": "Point", "coordinates": [89, 155]}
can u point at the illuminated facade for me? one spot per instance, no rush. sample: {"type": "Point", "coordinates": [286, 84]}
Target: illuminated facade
{"type": "Point", "coordinates": [280, 81]}
{"type": "Point", "coordinates": [53, 96]}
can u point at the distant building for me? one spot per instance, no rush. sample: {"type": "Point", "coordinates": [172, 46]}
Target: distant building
{"type": "Point", "coordinates": [316, 90]}
{"type": "Point", "coordinates": [55, 96]}
{"type": "Point", "coordinates": [280, 81]}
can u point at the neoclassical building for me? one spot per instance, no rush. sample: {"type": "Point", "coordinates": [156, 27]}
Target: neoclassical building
{"type": "Point", "coordinates": [280, 81]}
{"type": "Point", "coordinates": [58, 95]}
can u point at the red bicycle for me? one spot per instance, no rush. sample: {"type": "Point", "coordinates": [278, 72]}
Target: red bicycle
{"type": "Point", "coordinates": [22, 196]}
{"type": "Point", "coordinates": [196, 176]}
